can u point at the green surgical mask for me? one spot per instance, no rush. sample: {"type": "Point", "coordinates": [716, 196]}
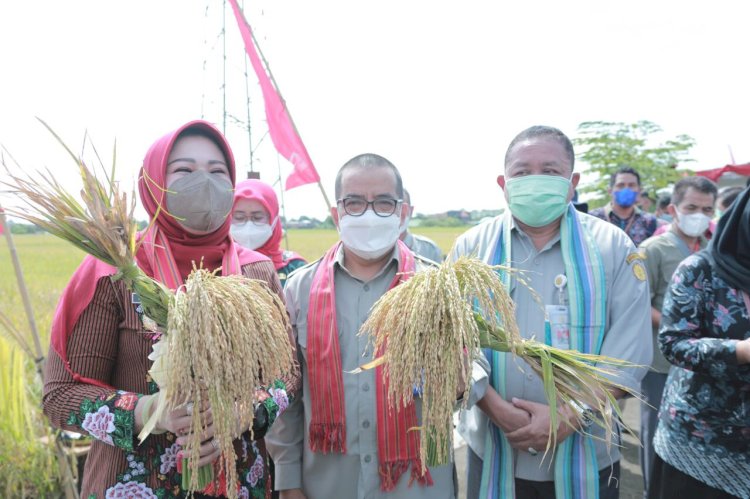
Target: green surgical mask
{"type": "Point", "coordinates": [537, 200]}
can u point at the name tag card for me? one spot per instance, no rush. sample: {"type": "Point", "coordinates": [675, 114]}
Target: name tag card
{"type": "Point", "coordinates": [559, 326]}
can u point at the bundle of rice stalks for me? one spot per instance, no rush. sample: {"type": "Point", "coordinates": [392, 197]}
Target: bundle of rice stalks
{"type": "Point", "coordinates": [234, 323]}
{"type": "Point", "coordinates": [223, 337]}
{"type": "Point", "coordinates": [103, 226]}
{"type": "Point", "coordinates": [434, 323]}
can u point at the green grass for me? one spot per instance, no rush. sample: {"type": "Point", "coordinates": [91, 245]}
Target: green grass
{"type": "Point", "coordinates": [443, 236]}
{"type": "Point", "coordinates": [47, 263]}
{"type": "Point", "coordinates": [28, 466]}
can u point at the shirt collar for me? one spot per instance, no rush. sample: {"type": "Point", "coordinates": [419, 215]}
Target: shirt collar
{"type": "Point", "coordinates": [521, 233]}
{"type": "Point", "coordinates": [609, 210]}
{"type": "Point", "coordinates": [395, 256]}
{"type": "Point", "coordinates": [702, 239]}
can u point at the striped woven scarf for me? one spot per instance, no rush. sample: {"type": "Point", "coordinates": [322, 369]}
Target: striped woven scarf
{"type": "Point", "coordinates": [397, 447]}
{"type": "Point", "coordinates": [576, 469]}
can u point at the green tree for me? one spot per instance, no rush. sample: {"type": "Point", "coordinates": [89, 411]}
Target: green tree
{"type": "Point", "coordinates": [606, 146]}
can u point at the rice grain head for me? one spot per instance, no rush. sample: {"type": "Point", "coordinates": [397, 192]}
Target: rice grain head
{"type": "Point", "coordinates": [227, 336]}
{"type": "Point", "coordinates": [426, 332]}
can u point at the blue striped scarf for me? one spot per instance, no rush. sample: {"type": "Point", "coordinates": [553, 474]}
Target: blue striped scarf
{"type": "Point", "coordinates": [576, 470]}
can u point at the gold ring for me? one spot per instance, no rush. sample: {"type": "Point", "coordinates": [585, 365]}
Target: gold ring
{"type": "Point", "coordinates": [215, 444]}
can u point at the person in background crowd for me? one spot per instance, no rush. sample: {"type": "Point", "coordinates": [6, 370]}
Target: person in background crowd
{"type": "Point", "coordinates": [97, 374]}
{"type": "Point", "coordinates": [645, 201]}
{"type": "Point", "coordinates": [420, 245]}
{"type": "Point", "coordinates": [692, 208]}
{"type": "Point", "coordinates": [581, 206]}
{"type": "Point", "coordinates": [624, 187]}
{"type": "Point", "coordinates": [256, 225]}
{"type": "Point", "coordinates": [702, 442]}
{"type": "Point", "coordinates": [666, 227]}
{"type": "Point", "coordinates": [662, 213]}
{"type": "Point", "coordinates": [726, 197]}
{"type": "Point", "coordinates": [339, 440]}
{"type": "Point", "coordinates": [566, 257]}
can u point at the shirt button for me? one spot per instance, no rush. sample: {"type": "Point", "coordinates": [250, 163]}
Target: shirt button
{"type": "Point", "coordinates": [367, 287]}
{"type": "Point", "coordinates": [365, 387]}
{"type": "Point", "coordinates": [537, 261]}
{"type": "Point", "coordinates": [365, 424]}
{"type": "Point", "coordinates": [529, 377]}
{"type": "Point", "coordinates": [368, 458]}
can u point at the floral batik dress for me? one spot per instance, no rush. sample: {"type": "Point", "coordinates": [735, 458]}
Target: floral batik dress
{"type": "Point", "coordinates": [109, 343]}
{"type": "Point", "coordinates": [704, 427]}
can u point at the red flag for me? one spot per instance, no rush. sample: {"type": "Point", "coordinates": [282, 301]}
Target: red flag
{"type": "Point", "coordinates": [280, 126]}
{"type": "Point", "coordinates": [715, 173]}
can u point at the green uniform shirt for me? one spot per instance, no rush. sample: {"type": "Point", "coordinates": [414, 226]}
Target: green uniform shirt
{"type": "Point", "coordinates": [663, 254]}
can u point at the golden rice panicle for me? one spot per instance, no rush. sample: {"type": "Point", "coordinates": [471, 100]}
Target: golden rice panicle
{"type": "Point", "coordinates": [482, 285]}
{"type": "Point", "coordinates": [102, 225]}
{"type": "Point", "coordinates": [428, 326]}
{"type": "Point", "coordinates": [227, 336]}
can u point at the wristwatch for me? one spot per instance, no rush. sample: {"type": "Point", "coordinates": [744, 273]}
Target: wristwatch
{"type": "Point", "coordinates": [586, 414]}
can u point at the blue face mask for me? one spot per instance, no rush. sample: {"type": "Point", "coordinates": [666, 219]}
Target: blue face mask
{"type": "Point", "coordinates": [625, 197]}
{"type": "Point", "coordinates": [666, 217]}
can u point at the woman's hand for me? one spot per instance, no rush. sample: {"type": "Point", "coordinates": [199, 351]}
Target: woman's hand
{"type": "Point", "coordinates": [177, 421]}
{"type": "Point", "coordinates": [292, 494]}
{"type": "Point", "coordinates": [743, 351]}
{"type": "Point", "coordinates": [209, 447]}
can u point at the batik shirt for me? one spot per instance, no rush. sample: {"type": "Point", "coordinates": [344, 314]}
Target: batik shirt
{"type": "Point", "coordinates": [639, 226]}
{"type": "Point", "coordinates": [291, 263]}
{"type": "Point", "coordinates": [109, 343]}
{"type": "Point", "coordinates": [704, 426]}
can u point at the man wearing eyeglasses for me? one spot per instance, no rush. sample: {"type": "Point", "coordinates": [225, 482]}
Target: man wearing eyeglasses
{"type": "Point", "coordinates": [340, 439]}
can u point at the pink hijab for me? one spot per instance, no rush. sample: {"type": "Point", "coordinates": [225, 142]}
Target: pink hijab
{"type": "Point", "coordinates": [167, 250]}
{"type": "Point", "coordinates": [255, 190]}
{"type": "Point", "coordinates": [167, 236]}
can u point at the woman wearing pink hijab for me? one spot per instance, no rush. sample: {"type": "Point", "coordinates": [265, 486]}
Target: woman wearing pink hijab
{"type": "Point", "coordinates": [256, 225]}
{"type": "Point", "coordinates": [96, 375]}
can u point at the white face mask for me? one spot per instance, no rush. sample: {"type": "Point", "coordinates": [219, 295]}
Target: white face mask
{"type": "Point", "coordinates": [252, 236]}
{"type": "Point", "coordinates": [369, 236]}
{"type": "Point", "coordinates": [693, 224]}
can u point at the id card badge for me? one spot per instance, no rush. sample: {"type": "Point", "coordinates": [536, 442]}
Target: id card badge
{"type": "Point", "coordinates": [559, 326]}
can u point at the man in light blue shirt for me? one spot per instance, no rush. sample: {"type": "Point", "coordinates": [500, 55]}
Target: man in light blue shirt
{"type": "Point", "coordinates": [544, 237]}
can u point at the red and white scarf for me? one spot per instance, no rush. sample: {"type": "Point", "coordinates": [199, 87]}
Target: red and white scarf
{"type": "Point", "coordinates": [397, 447]}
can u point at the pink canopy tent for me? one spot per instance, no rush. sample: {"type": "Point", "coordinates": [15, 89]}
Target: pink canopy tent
{"type": "Point", "coordinates": [715, 173]}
